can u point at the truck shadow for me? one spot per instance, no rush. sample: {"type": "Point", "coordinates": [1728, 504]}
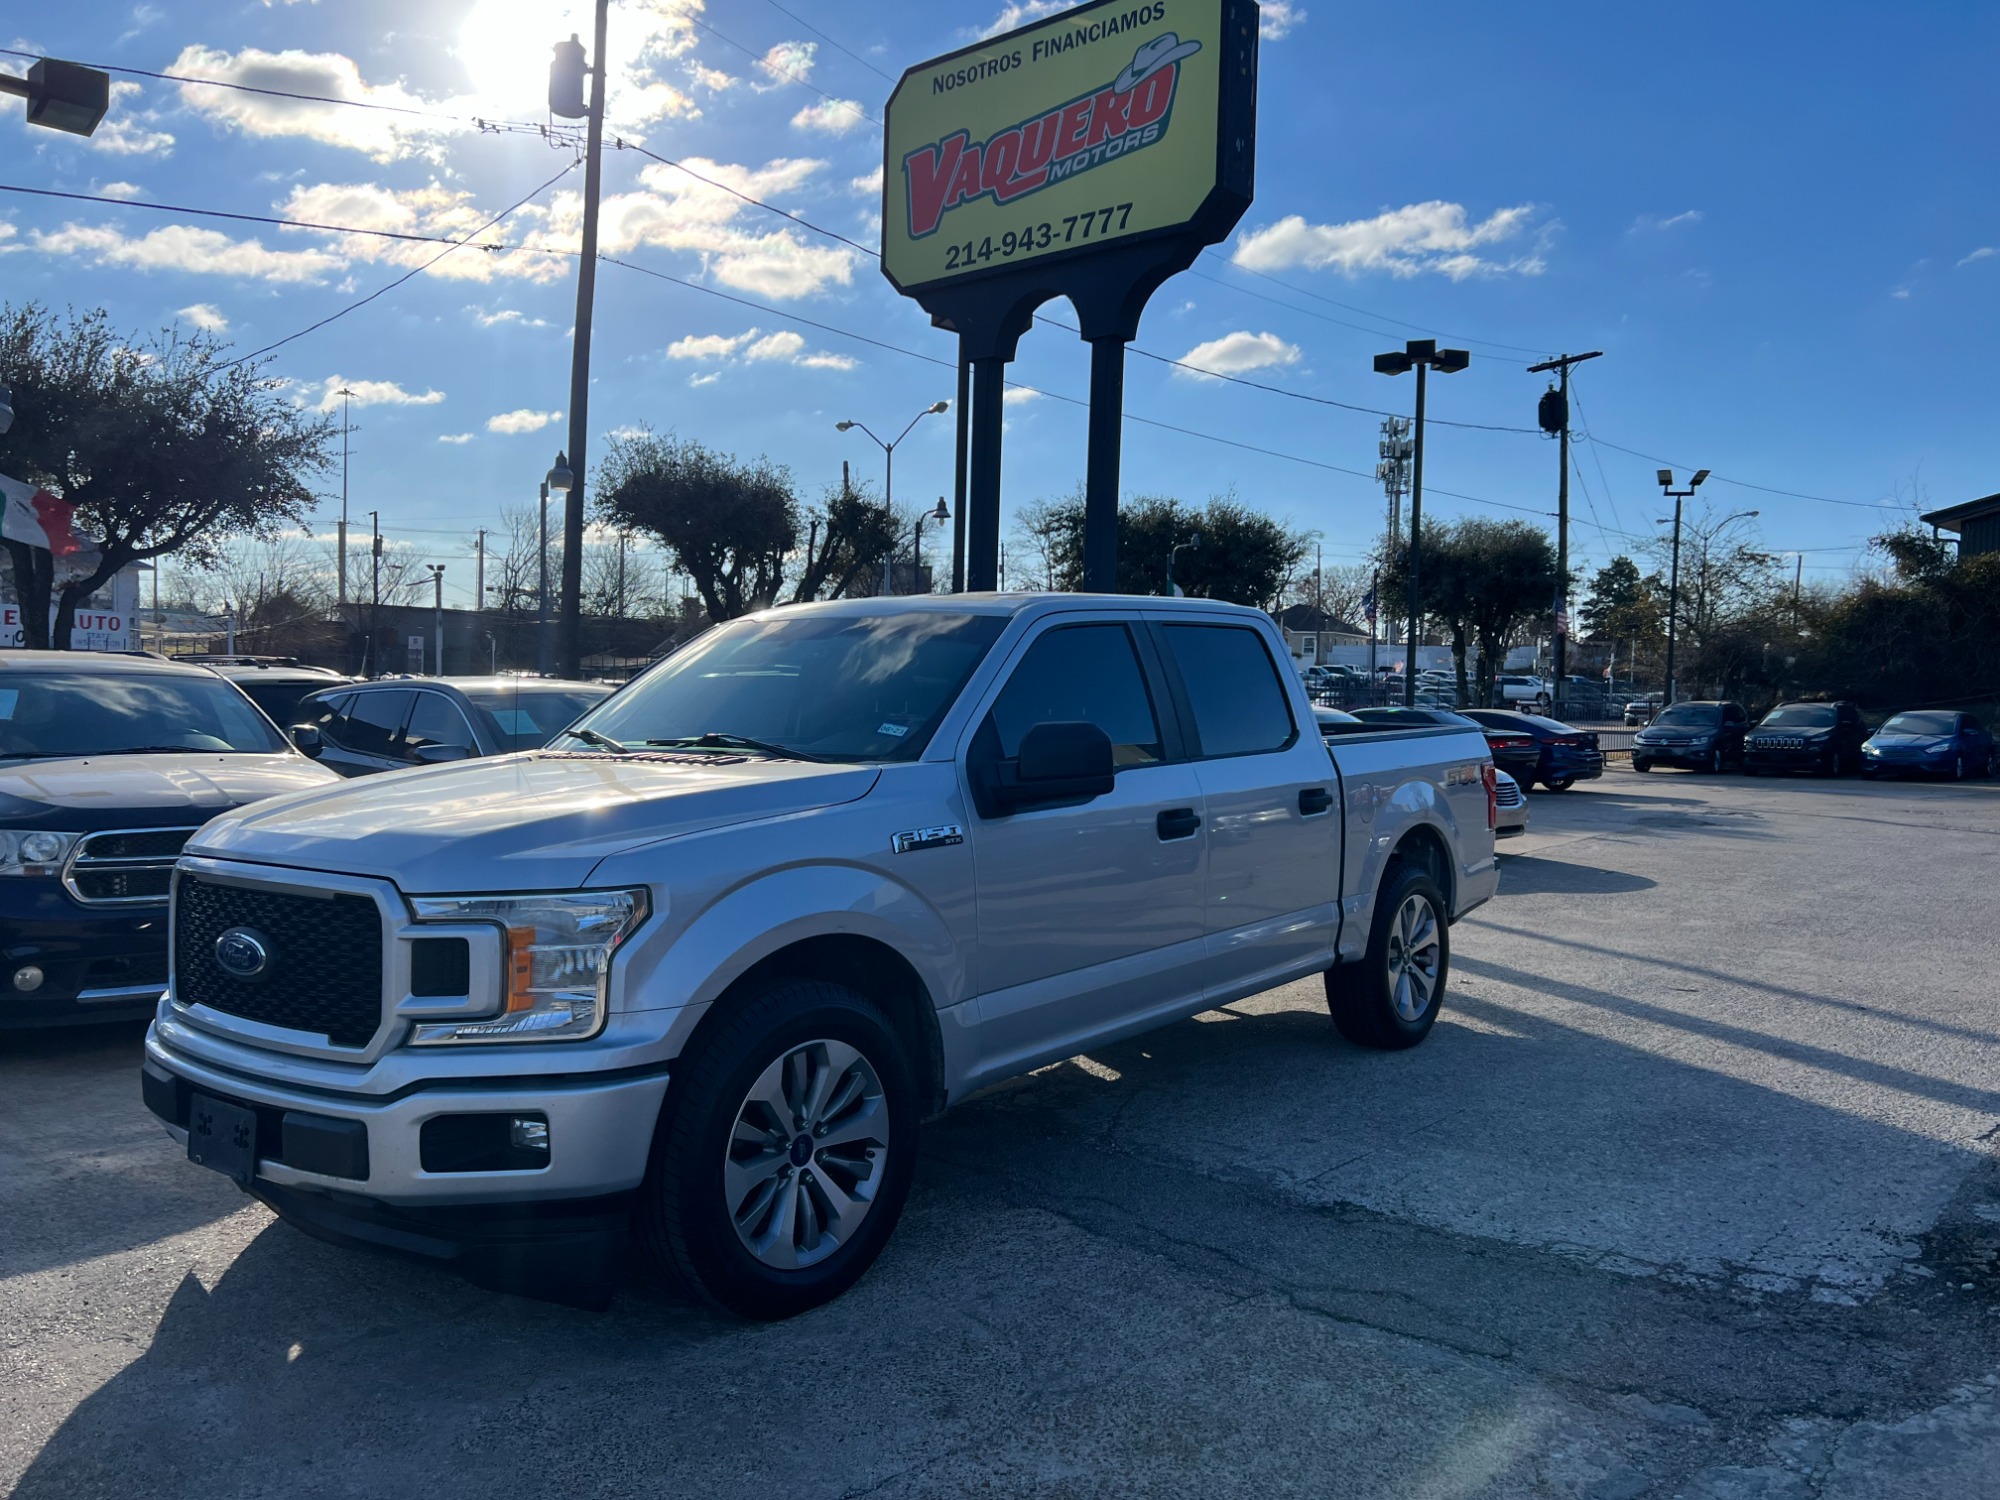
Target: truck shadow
{"type": "Point", "coordinates": [1085, 1248]}
{"type": "Point", "coordinates": [1532, 875]}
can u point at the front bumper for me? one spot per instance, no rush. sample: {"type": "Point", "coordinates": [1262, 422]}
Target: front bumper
{"type": "Point", "coordinates": [1808, 757]}
{"type": "Point", "coordinates": [1930, 763]}
{"type": "Point", "coordinates": [1572, 765]}
{"type": "Point", "coordinates": [103, 963]}
{"type": "Point", "coordinates": [1695, 756]}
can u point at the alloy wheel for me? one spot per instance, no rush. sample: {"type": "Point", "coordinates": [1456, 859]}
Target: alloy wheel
{"type": "Point", "coordinates": [807, 1154]}
{"type": "Point", "coordinates": [1413, 958]}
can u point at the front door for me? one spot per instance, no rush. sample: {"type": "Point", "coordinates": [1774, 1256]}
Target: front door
{"type": "Point", "coordinates": [1089, 914]}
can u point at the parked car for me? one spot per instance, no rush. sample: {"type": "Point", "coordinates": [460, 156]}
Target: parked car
{"type": "Point", "coordinates": [1522, 692]}
{"type": "Point", "coordinates": [107, 765]}
{"type": "Point", "coordinates": [1703, 736]}
{"type": "Point", "coordinates": [1824, 738]}
{"type": "Point", "coordinates": [1511, 819]}
{"type": "Point", "coordinates": [1641, 710]}
{"type": "Point", "coordinates": [1931, 742]}
{"type": "Point", "coordinates": [1414, 718]}
{"type": "Point", "coordinates": [702, 967]}
{"type": "Point", "coordinates": [277, 687]}
{"type": "Point", "coordinates": [1334, 721]}
{"type": "Point", "coordinates": [398, 722]}
{"type": "Point", "coordinates": [1563, 754]}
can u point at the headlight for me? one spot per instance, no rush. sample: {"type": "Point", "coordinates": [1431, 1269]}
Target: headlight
{"type": "Point", "coordinates": [556, 961]}
{"type": "Point", "coordinates": [34, 851]}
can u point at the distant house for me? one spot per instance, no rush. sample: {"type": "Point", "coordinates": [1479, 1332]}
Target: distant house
{"type": "Point", "coordinates": [1311, 634]}
{"type": "Point", "coordinates": [1976, 523]}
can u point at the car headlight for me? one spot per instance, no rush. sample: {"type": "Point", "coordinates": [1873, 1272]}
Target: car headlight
{"type": "Point", "coordinates": [34, 851]}
{"type": "Point", "coordinates": [555, 973]}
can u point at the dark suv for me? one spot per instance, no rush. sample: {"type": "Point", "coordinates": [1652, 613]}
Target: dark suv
{"type": "Point", "coordinates": [107, 765]}
{"type": "Point", "coordinates": [1824, 738]}
{"type": "Point", "coordinates": [1703, 736]}
{"type": "Point", "coordinates": [399, 722]}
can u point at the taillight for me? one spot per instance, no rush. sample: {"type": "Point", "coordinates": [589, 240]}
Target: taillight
{"type": "Point", "coordinates": [1561, 739]}
{"type": "Point", "coordinates": [1509, 741]}
{"type": "Point", "coordinates": [1490, 779]}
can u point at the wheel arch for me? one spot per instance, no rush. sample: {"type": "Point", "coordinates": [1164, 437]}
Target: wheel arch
{"type": "Point", "coordinates": [1424, 846]}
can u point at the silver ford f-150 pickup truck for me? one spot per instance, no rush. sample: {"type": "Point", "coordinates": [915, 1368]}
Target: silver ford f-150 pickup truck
{"type": "Point", "coordinates": [695, 972]}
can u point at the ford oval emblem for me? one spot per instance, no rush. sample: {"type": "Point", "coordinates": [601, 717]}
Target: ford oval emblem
{"type": "Point", "coordinates": [242, 952]}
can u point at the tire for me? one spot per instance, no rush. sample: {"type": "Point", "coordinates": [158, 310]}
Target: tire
{"type": "Point", "coordinates": [772, 1051]}
{"type": "Point", "coordinates": [1560, 784]}
{"type": "Point", "coordinates": [1993, 763]}
{"type": "Point", "coordinates": [1641, 766]}
{"type": "Point", "coordinates": [1958, 767]}
{"type": "Point", "coordinates": [1383, 1002]}
{"type": "Point", "coordinates": [1715, 761]}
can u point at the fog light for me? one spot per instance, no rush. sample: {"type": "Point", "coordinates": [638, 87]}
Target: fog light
{"type": "Point", "coordinates": [526, 1134]}
{"type": "Point", "coordinates": [29, 977]}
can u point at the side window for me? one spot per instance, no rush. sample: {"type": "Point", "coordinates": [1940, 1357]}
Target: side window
{"type": "Point", "coordinates": [326, 714]}
{"type": "Point", "coordinates": [1087, 673]}
{"type": "Point", "coordinates": [436, 720]}
{"type": "Point", "coordinates": [1731, 714]}
{"type": "Point", "coordinates": [373, 722]}
{"type": "Point", "coordinates": [1239, 703]}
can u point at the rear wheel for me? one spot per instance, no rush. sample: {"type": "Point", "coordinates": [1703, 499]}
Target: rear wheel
{"type": "Point", "coordinates": [1958, 767]}
{"type": "Point", "coordinates": [1390, 999]}
{"type": "Point", "coordinates": [1560, 784]}
{"type": "Point", "coordinates": [784, 1152]}
{"type": "Point", "coordinates": [1993, 762]}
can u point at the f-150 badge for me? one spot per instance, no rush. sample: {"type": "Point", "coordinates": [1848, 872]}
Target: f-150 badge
{"type": "Point", "coordinates": [927, 838]}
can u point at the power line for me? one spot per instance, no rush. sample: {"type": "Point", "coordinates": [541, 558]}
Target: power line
{"type": "Point", "coordinates": [785, 73]}
{"type": "Point", "coordinates": [415, 271]}
{"type": "Point", "coordinates": [801, 20]}
{"type": "Point", "coordinates": [1741, 484]}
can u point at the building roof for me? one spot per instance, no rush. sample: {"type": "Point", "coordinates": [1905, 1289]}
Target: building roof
{"type": "Point", "coordinates": [1953, 516]}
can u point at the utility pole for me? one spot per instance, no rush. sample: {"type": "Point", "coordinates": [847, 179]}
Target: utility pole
{"type": "Point", "coordinates": [479, 583]}
{"type": "Point", "coordinates": [1393, 471]}
{"type": "Point", "coordinates": [1554, 416]}
{"type": "Point", "coordinates": [579, 370]}
{"type": "Point", "coordinates": [372, 666]}
{"type": "Point", "coordinates": [340, 568]}
{"type": "Point", "coordinates": [621, 573]}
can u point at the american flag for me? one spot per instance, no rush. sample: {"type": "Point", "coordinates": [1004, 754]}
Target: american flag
{"type": "Point", "coordinates": [1368, 606]}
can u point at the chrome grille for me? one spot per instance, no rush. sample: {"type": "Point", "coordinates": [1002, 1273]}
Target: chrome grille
{"type": "Point", "coordinates": [124, 866]}
{"type": "Point", "coordinates": [1507, 793]}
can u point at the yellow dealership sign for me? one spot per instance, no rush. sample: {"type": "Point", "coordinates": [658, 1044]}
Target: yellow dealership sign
{"type": "Point", "coordinates": [1115, 122]}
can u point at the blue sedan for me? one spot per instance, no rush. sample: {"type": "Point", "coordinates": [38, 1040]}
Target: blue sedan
{"type": "Point", "coordinates": [1931, 743]}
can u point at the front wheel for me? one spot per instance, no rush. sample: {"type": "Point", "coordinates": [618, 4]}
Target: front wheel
{"type": "Point", "coordinates": [784, 1152]}
{"type": "Point", "coordinates": [1390, 999]}
{"type": "Point", "coordinates": [1715, 761]}
{"type": "Point", "coordinates": [1560, 784]}
{"type": "Point", "coordinates": [1641, 766]}
{"type": "Point", "coordinates": [1958, 767]}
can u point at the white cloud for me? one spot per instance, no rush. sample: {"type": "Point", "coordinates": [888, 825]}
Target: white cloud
{"type": "Point", "coordinates": [523, 420]}
{"type": "Point", "coordinates": [178, 247]}
{"type": "Point", "coordinates": [869, 183]}
{"type": "Point", "coordinates": [501, 45]}
{"type": "Point", "coordinates": [1902, 293]}
{"type": "Point", "coordinates": [372, 393]}
{"type": "Point", "coordinates": [1016, 395]}
{"type": "Point", "coordinates": [627, 433]}
{"type": "Point", "coordinates": [206, 316]}
{"type": "Point", "coordinates": [454, 438]}
{"type": "Point", "coordinates": [1278, 19]}
{"type": "Point", "coordinates": [1408, 241]}
{"type": "Point", "coordinates": [832, 117]}
{"type": "Point", "coordinates": [1021, 12]}
{"type": "Point", "coordinates": [782, 347]}
{"type": "Point", "coordinates": [1236, 353]}
{"type": "Point", "coordinates": [1647, 222]}
{"type": "Point", "coordinates": [710, 78]}
{"type": "Point", "coordinates": [788, 62]}
{"type": "Point", "coordinates": [511, 315]}
{"type": "Point", "coordinates": [1982, 253]}
{"type": "Point", "coordinates": [121, 190]}
{"type": "Point", "coordinates": [333, 75]}
{"type": "Point", "coordinates": [432, 210]}
{"type": "Point", "coordinates": [125, 130]}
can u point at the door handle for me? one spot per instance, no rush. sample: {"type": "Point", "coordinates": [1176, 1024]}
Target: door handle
{"type": "Point", "coordinates": [1314, 800]}
{"type": "Point", "coordinates": [1177, 823]}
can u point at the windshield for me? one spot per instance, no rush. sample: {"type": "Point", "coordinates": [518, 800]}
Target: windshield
{"type": "Point", "coordinates": [48, 714]}
{"type": "Point", "coordinates": [826, 686]}
{"type": "Point", "coordinates": [1922, 724]}
{"type": "Point", "coordinates": [527, 717]}
{"type": "Point", "coordinates": [1799, 716]}
{"type": "Point", "coordinates": [1690, 716]}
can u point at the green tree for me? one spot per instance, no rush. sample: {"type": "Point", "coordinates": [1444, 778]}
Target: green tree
{"type": "Point", "coordinates": [1481, 581]}
{"type": "Point", "coordinates": [1244, 556]}
{"type": "Point", "coordinates": [1623, 605]}
{"type": "Point", "coordinates": [163, 446]}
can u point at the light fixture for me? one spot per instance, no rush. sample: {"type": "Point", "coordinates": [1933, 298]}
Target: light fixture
{"type": "Point", "coordinates": [561, 481]}
{"type": "Point", "coordinates": [843, 426]}
{"type": "Point", "coordinates": [940, 407]}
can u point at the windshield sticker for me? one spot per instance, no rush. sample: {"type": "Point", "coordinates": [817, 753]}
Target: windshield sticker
{"type": "Point", "coordinates": [894, 731]}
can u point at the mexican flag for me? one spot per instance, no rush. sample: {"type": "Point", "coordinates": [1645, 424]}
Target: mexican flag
{"type": "Point", "coordinates": [36, 517]}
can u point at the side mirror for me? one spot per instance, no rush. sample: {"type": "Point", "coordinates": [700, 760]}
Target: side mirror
{"type": "Point", "coordinates": [305, 738]}
{"type": "Point", "coordinates": [437, 755]}
{"type": "Point", "coordinates": [1059, 762]}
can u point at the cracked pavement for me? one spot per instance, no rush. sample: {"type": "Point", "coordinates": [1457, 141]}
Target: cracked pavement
{"type": "Point", "coordinates": [1695, 1191]}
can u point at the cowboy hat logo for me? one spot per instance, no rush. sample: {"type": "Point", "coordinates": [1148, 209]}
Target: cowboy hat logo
{"type": "Point", "coordinates": [1128, 114]}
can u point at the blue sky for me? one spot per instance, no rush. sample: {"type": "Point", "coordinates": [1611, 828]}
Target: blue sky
{"type": "Point", "coordinates": [1778, 222]}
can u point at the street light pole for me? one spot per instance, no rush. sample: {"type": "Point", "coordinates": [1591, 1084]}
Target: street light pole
{"type": "Point", "coordinates": [941, 513]}
{"type": "Point", "coordinates": [340, 571]}
{"type": "Point", "coordinates": [1666, 478]}
{"type": "Point", "coordinates": [1422, 355]}
{"type": "Point", "coordinates": [889, 481]}
{"type": "Point", "coordinates": [374, 655]}
{"type": "Point", "coordinates": [560, 478]}
{"type": "Point", "coordinates": [437, 617]}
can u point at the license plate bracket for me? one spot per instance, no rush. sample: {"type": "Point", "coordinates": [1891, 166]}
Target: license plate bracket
{"type": "Point", "coordinates": [222, 1137]}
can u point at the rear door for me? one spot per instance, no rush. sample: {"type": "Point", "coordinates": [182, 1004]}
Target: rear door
{"type": "Point", "coordinates": [1268, 786]}
{"type": "Point", "coordinates": [1089, 914]}
{"type": "Point", "coordinates": [366, 736]}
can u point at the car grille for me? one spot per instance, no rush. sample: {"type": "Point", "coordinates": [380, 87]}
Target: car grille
{"type": "Point", "coordinates": [1508, 793]}
{"type": "Point", "coordinates": [1778, 742]}
{"type": "Point", "coordinates": [125, 866]}
{"type": "Point", "coordinates": [324, 972]}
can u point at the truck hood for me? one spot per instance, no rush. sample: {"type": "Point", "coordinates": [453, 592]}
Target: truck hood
{"type": "Point", "coordinates": [87, 792]}
{"type": "Point", "coordinates": [535, 821]}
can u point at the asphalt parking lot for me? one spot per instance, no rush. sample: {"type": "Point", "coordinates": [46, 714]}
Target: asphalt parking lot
{"type": "Point", "coordinates": [1693, 1191]}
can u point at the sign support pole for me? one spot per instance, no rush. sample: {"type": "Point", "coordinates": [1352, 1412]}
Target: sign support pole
{"type": "Point", "coordinates": [982, 529]}
{"type": "Point", "coordinates": [964, 458]}
{"type": "Point", "coordinates": [1100, 506]}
